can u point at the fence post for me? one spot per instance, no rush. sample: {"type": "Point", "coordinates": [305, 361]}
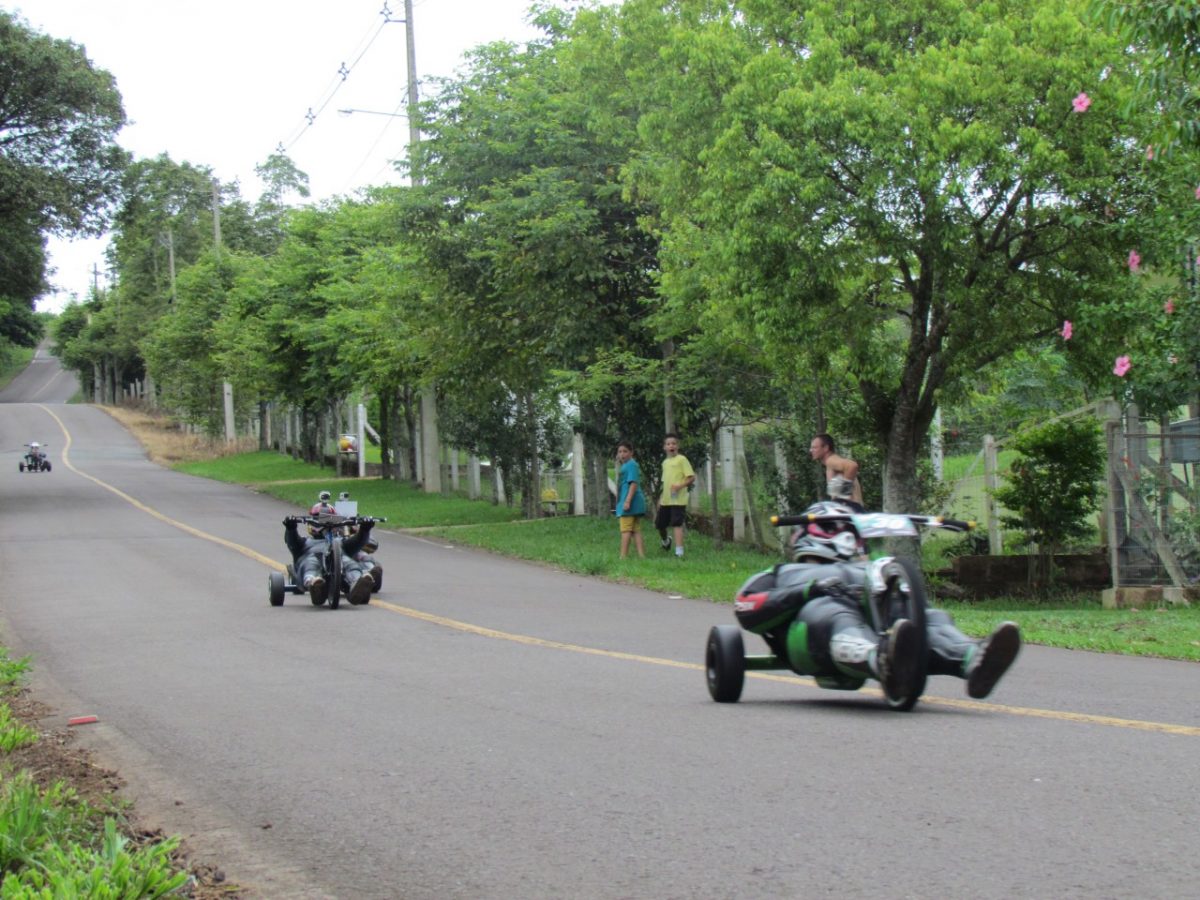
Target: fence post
{"type": "Point", "coordinates": [990, 467]}
{"type": "Point", "coordinates": [739, 486]}
{"type": "Point", "coordinates": [362, 440]}
{"type": "Point", "coordinates": [473, 477]}
{"type": "Point", "coordinates": [727, 467]}
{"type": "Point", "coordinates": [1111, 427]}
{"type": "Point", "coordinates": [577, 499]}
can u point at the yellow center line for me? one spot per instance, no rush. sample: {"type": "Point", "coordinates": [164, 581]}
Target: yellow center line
{"type": "Point", "coordinates": [529, 640]}
{"type": "Point", "coordinates": [1162, 727]}
{"type": "Point", "coordinates": [137, 504]}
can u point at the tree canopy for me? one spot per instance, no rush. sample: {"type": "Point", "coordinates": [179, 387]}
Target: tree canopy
{"type": "Point", "coordinates": [60, 166]}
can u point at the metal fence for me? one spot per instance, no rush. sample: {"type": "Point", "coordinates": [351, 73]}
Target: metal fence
{"type": "Point", "coordinates": [1153, 521]}
{"type": "Point", "coordinates": [1151, 518]}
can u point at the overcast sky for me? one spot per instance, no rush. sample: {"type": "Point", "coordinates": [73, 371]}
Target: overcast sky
{"type": "Point", "coordinates": [223, 83]}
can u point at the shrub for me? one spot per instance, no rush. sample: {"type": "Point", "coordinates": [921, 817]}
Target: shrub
{"type": "Point", "coordinates": [1054, 485]}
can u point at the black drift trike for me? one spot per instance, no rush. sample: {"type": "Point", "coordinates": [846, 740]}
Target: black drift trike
{"type": "Point", "coordinates": [35, 458]}
{"type": "Point", "coordinates": [331, 530]}
{"type": "Point", "coordinates": [848, 556]}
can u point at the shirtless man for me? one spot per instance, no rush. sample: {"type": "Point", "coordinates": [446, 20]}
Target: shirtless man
{"type": "Point", "coordinates": [841, 473]}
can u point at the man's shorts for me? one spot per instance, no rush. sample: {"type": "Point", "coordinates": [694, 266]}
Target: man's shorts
{"type": "Point", "coordinates": [631, 524]}
{"type": "Point", "coordinates": [670, 517]}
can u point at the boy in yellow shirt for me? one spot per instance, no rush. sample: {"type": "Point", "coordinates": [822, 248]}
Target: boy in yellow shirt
{"type": "Point", "coordinates": [677, 477]}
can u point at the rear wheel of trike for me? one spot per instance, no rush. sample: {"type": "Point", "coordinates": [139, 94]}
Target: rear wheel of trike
{"type": "Point", "coordinates": [904, 598]}
{"type": "Point", "coordinates": [725, 663]}
{"type": "Point", "coordinates": [275, 588]}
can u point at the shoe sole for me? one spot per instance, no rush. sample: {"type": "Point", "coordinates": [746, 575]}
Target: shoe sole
{"type": "Point", "coordinates": [902, 661]}
{"type": "Point", "coordinates": [358, 596]}
{"type": "Point", "coordinates": [998, 654]}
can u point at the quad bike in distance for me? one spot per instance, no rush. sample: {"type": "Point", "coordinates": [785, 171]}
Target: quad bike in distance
{"type": "Point", "coordinates": [35, 459]}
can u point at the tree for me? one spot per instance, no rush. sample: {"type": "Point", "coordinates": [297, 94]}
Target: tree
{"type": "Point", "coordinates": [59, 163]}
{"type": "Point", "coordinates": [59, 116]}
{"type": "Point", "coordinates": [1165, 36]}
{"type": "Point", "coordinates": [537, 260]}
{"type": "Point", "coordinates": [899, 191]}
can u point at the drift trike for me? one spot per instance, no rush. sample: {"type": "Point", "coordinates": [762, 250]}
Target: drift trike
{"type": "Point", "coordinates": [836, 548]}
{"type": "Point", "coordinates": [35, 459]}
{"type": "Point", "coordinates": [331, 530]}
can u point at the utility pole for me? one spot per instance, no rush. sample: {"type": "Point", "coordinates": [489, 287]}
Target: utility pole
{"type": "Point", "coordinates": [430, 455]}
{"type": "Point", "coordinates": [226, 387]}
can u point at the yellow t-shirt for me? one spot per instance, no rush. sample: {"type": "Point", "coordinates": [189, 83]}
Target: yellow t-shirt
{"type": "Point", "coordinates": [675, 470]}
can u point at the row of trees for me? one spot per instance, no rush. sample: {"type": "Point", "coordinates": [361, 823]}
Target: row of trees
{"type": "Point", "coordinates": [683, 214]}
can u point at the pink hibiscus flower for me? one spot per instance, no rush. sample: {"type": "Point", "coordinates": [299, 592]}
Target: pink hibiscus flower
{"type": "Point", "coordinates": [1067, 330]}
{"type": "Point", "coordinates": [1135, 260]}
{"type": "Point", "coordinates": [1081, 102]}
{"type": "Point", "coordinates": [1122, 366]}
{"type": "Point", "coordinates": [1169, 306]}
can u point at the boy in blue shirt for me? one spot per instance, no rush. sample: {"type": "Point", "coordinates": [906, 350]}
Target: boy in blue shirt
{"type": "Point", "coordinates": [631, 500]}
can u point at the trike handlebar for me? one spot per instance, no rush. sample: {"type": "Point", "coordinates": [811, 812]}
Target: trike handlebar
{"type": "Point", "coordinates": [327, 520]}
{"type": "Point", "coordinates": [927, 521]}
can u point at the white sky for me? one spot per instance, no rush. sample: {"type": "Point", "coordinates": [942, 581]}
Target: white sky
{"type": "Point", "coordinates": [223, 83]}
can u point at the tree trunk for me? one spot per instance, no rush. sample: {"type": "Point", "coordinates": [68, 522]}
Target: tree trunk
{"type": "Point", "coordinates": [410, 425]}
{"type": "Point", "coordinates": [385, 434]}
{"type": "Point", "coordinates": [668, 351]}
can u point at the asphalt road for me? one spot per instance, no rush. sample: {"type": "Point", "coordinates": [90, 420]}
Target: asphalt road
{"type": "Point", "coordinates": [493, 729]}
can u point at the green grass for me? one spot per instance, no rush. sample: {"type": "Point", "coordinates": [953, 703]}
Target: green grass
{"type": "Point", "coordinates": [12, 361]}
{"type": "Point", "coordinates": [590, 546]}
{"type": "Point", "coordinates": [299, 483]}
{"type": "Point", "coordinates": [53, 844]}
{"type": "Point", "coordinates": [1078, 622]}
{"type": "Point", "coordinates": [252, 468]}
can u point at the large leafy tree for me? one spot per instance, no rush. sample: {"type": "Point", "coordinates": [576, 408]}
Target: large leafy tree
{"type": "Point", "coordinates": [59, 163]}
{"type": "Point", "coordinates": [904, 190]}
{"type": "Point", "coordinates": [538, 259]}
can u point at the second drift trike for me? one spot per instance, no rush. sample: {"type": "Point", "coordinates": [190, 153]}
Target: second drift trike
{"type": "Point", "coordinates": [329, 532]}
{"type": "Point", "coordinates": [836, 549]}
{"type": "Point", "coordinates": [35, 458]}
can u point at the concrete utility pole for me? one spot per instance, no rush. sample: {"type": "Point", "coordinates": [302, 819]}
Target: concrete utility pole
{"type": "Point", "coordinates": [226, 387]}
{"type": "Point", "coordinates": [430, 456]}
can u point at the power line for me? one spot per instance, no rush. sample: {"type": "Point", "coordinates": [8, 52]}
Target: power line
{"type": "Point", "coordinates": [338, 80]}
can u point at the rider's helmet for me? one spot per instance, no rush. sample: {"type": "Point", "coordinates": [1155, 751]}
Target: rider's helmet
{"type": "Point", "coordinates": [34, 446]}
{"type": "Point", "coordinates": [323, 507]}
{"type": "Point", "coordinates": [827, 541]}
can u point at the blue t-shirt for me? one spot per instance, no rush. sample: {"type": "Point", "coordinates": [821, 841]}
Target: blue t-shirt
{"type": "Point", "coordinates": [629, 474]}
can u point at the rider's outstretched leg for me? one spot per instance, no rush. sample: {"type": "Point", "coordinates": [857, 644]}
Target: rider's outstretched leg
{"type": "Point", "coordinates": [980, 663]}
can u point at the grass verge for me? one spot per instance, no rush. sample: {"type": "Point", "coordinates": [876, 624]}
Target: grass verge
{"type": "Point", "coordinates": [68, 837]}
{"type": "Point", "coordinates": [12, 361]}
